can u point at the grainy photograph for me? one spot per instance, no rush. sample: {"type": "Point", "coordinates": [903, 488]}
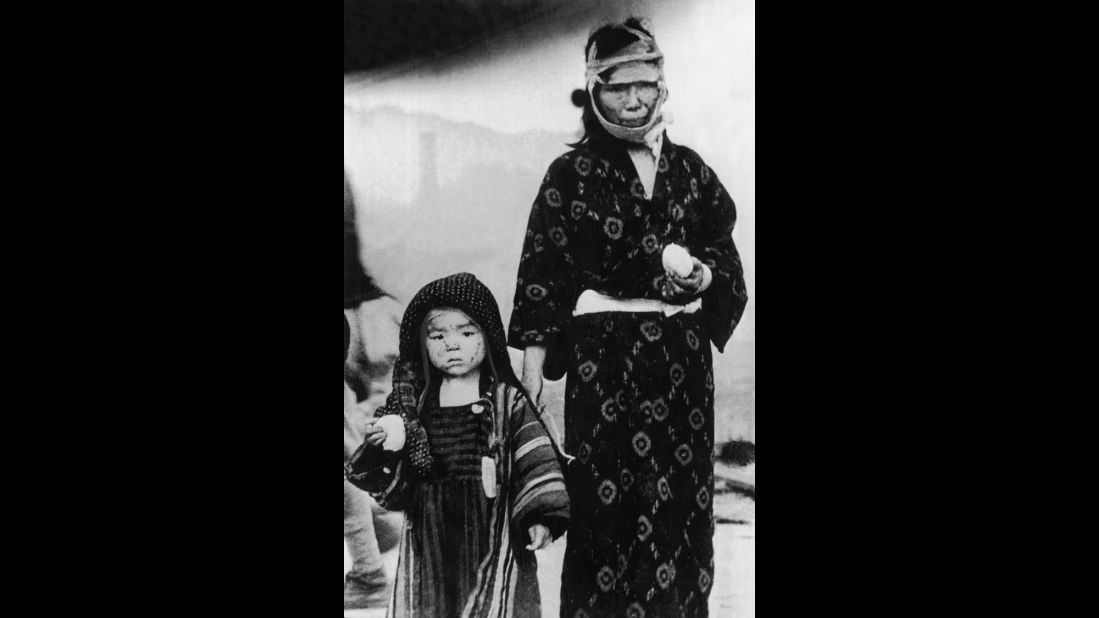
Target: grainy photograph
{"type": "Point", "coordinates": [549, 303]}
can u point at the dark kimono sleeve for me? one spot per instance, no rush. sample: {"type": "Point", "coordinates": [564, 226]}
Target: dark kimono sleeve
{"type": "Point", "coordinates": [724, 301]}
{"type": "Point", "coordinates": [537, 482]}
{"type": "Point", "coordinates": [542, 299]}
{"type": "Point", "coordinates": [388, 476]}
{"type": "Point", "coordinates": [382, 474]}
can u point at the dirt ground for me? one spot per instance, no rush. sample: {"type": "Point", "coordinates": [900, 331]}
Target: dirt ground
{"type": "Point", "coordinates": [733, 594]}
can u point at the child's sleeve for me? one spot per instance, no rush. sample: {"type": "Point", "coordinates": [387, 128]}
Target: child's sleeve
{"type": "Point", "coordinates": [380, 473]}
{"type": "Point", "coordinates": [537, 480]}
{"type": "Point", "coordinates": [385, 475]}
{"type": "Point", "coordinates": [389, 475]}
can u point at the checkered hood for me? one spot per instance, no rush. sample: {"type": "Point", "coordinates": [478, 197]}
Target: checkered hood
{"type": "Point", "coordinates": [461, 291]}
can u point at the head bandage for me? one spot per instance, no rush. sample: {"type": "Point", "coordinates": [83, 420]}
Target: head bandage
{"type": "Point", "coordinates": [641, 60]}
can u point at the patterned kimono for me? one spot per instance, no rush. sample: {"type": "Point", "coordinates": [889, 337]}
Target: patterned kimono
{"type": "Point", "coordinates": [462, 552]}
{"type": "Point", "coordinates": [639, 395]}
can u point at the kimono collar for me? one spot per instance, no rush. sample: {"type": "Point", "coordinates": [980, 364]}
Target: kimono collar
{"type": "Point", "coordinates": [616, 150]}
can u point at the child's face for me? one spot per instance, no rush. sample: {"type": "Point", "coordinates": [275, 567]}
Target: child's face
{"type": "Point", "coordinates": [455, 344]}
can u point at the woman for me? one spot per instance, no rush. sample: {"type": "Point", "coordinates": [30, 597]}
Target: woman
{"type": "Point", "coordinates": [633, 336]}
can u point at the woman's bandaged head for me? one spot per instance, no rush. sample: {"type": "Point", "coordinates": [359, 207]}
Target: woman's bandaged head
{"type": "Point", "coordinates": [634, 71]}
{"type": "Point", "coordinates": [639, 62]}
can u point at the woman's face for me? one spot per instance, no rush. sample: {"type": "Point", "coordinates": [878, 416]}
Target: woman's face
{"type": "Point", "coordinates": [627, 104]}
{"type": "Point", "coordinates": [455, 344]}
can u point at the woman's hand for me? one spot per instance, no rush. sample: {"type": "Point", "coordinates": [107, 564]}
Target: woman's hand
{"type": "Point", "coordinates": [540, 537]}
{"type": "Point", "coordinates": [534, 357]}
{"type": "Point", "coordinates": [677, 288]}
{"type": "Point", "coordinates": [532, 383]}
{"type": "Point", "coordinates": [374, 434]}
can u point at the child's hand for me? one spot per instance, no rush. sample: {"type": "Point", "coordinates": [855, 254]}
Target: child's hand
{"type": "Point", "coordinates": [388, 431]}
{"type": "Point", "coordinates": [374, 434]}
{"type": "Point", "coordinates": [540, 537]}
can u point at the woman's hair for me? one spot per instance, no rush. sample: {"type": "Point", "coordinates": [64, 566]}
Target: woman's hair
{"type": "Point", "coordinates": [611, 38]}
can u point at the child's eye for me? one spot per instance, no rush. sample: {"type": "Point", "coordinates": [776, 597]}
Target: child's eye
{"type": "Point", "coordinates": [435, 337]}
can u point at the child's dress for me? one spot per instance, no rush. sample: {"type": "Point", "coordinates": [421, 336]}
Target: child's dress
{"type": "Point", "coordinates": [450, 523]}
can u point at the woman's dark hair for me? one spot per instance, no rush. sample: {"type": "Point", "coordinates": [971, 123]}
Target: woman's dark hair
{"type": "Point", "coordinates": [593, 131]}
{"type": "Point", "coordinates": [611, 38]}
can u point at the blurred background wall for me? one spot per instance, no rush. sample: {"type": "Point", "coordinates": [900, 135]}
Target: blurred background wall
{"type": "Point", "coordinates": [450, 125]}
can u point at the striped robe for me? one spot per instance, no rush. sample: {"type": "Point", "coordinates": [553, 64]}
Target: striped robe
{"type": "Point", "coordinates": [530, 489]}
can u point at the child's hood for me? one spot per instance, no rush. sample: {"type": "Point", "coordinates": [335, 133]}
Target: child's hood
{"type": "Point", "coordinates": [465, 292]}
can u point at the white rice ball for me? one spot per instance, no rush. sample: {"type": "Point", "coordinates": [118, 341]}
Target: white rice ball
{"type": "Point", "coordinates": [677, 260]}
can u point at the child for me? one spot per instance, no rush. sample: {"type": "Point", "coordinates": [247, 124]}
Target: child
{"type": "Point", "coordinates": [459, 447]}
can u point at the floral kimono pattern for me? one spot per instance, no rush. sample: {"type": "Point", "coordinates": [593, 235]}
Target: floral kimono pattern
{"type": "Point", "coordinates": [639, 413]}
